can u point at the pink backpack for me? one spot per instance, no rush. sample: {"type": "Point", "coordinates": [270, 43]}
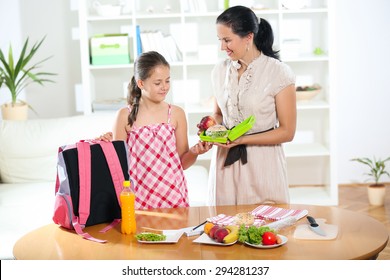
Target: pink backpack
{"type": "Point", "coordinates": [90, 175]}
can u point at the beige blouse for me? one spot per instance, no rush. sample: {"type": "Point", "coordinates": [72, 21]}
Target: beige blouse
{"type": "Point", "coordinates": [254, 94]}
{"type": "Point", "coordinates": [264, 178]}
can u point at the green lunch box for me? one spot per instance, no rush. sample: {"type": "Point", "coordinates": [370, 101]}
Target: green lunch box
{"type": "Point", "coordinates": [232, 134]}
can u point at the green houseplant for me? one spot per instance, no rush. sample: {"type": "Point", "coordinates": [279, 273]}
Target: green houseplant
{"type": "Point", "coordinates": [377, 168]}
{"type": "Point", "coordinates": [17, 73]}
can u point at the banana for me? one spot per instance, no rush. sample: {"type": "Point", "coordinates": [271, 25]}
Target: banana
{"type": "Point", "coordinates": [232, 236]}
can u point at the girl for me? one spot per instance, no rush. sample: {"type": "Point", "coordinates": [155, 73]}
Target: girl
{"type": "Point", "coordinates": [157, 136]}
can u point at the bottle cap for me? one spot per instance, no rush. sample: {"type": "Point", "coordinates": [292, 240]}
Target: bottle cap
{"type": "Point", "coordinates": [126, 183]}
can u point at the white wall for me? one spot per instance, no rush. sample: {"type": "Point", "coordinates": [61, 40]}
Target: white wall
{"type": "Point", "coordinates": [362, 57]}
{"type": "Point", "coordinates": [35, 19]}
{"type": "Point", "coordinates": [8, 13]}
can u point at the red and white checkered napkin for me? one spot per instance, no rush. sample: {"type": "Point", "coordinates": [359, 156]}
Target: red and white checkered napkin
{"type": "Point", "coordinates": [224, 220]}
{"type": "Point", "coordinates": [267, 212]}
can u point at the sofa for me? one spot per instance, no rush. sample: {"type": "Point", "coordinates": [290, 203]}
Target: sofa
{"type": "Point", "coordinates": [28, 160]}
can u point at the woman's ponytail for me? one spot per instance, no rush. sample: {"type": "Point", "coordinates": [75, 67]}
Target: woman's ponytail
{"type": "Point", "coordinates": [264, 39]}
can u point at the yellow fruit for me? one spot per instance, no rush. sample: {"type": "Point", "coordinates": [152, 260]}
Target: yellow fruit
{"type": "Point", "coordinates": [233, 235]}
{"type": "Point", "coordinates": [207, 227]}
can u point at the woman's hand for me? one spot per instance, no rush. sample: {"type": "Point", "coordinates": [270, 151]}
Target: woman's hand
{"type": "Point", "coordinates": [228, 144]}
{"type": "Point", "coordinates": [107, 137]}
{"type": "Point", "coordinates": [201, 147]}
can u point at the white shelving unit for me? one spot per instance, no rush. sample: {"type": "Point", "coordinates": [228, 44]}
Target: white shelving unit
{"type": "Point", "coordinates": [311, 156]}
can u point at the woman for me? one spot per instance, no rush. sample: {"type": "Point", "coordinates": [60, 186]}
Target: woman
{"type": "Point", "coordinates": [156, 132]}
{"type": "Point", "coordinates": [252, 81]}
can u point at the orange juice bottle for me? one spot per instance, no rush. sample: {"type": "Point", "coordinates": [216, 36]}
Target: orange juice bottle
{"type": "Point", "coordinates": [127, 199]}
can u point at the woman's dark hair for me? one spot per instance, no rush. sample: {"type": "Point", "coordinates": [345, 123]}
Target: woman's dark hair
{"type": "Point", "coordinates": [243, 21]}
{"type": "Point", "coordinates": [143, 67]}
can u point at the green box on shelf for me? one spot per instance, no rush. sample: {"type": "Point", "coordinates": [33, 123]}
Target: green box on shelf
{"type": "Point", "coordinates": [233, 134]}
{"type": "Point", "coordinates": [109, 49]}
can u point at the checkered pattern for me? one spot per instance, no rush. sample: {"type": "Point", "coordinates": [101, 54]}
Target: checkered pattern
{"type": "Point", "coordinates": [262, 213]}
{"type": "Point", "coordinates": [155, 168]}
{"type": "Point", "coordinates": [272, 213]}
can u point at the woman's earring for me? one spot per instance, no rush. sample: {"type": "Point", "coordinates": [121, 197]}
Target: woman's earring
{"type": "Point", "coordinates": [247, 47]}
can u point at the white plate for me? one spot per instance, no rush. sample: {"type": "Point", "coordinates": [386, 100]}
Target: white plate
{"type": "Point", "coordinates": [205, 239]}
{"type": "Point", "coordinates": [261, 246]}
{"type": "Point", "coordinates": [172, 236]}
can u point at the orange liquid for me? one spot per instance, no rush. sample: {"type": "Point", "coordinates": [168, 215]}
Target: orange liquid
{"type": "Point", "coordinates": [128, 225]}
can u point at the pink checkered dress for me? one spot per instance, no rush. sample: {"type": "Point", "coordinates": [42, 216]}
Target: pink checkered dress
{"type": "Point", "coordinates": [155, 167]}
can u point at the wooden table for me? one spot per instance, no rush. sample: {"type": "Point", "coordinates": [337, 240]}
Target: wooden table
{"type": "Point", "coordinates": [359, 237]}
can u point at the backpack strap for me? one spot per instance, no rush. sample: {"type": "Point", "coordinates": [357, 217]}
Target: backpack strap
{"type": "Point", "coordinates": [110, 226]}
{"type": "Point", "coordinates": [84, 159]}
{"type": "Point", "coordinates": [116, 174]}
{"type": "Point", "coordinates": [79, 230]}
{"type": "Point", "coordinates": [114, 165]}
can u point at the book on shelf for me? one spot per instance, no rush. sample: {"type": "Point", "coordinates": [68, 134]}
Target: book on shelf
{"type": "Point", "coordinates": [173, 48]}
{"type": "Point", "coordinates": [164, 44]}
{"type": "Point", "coordinates": [138, 38]}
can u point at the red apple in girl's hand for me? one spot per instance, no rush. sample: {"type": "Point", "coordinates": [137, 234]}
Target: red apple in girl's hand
{"type": "Point", "coordinates": [206, 122]}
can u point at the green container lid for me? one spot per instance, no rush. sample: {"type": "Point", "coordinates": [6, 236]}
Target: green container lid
{"type": "Point", "coordinates": [233, 134]}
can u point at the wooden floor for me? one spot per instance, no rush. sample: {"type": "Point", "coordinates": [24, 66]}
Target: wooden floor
{"type": "Point", "coordinates": [355, 198]}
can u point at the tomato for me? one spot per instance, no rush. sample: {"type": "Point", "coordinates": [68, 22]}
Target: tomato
{"type": "Point", "coordinates": [269, 238]}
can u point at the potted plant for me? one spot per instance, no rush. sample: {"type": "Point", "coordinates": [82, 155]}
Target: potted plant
{"type": "Point", "coordinates": [16, 74]}
{"type": "Point", "coordinates": [376, 189]}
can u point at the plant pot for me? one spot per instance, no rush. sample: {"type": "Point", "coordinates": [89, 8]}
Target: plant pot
{"type": "Point", "coordinates": [376, 194]}
{"type": "Point", "coordinates": [18, 111]}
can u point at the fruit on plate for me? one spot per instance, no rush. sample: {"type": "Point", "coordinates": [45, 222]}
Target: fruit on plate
{"type": "Point", "coordinates": [213, 230]}
{"type": "Point", "coordinates": [269, 238]}
{"type": "Point", "coordinates": [217, 130]}
{"type": "Point", "coordinates": [206, 122]}
{"type": "Point", "coordinates": [220, 234]}
{"type": "Point", "coordinates": [207, 227]}
{"type": "Point", "coordinates": [232, 236]}
{"type": "Point", "coordinates": [223, 234]}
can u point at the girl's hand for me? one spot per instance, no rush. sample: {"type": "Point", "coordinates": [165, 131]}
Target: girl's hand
{"type": "Point", "coordinates": [201, 147]}
{"type": "Point", "coordinates": [107, 137]}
